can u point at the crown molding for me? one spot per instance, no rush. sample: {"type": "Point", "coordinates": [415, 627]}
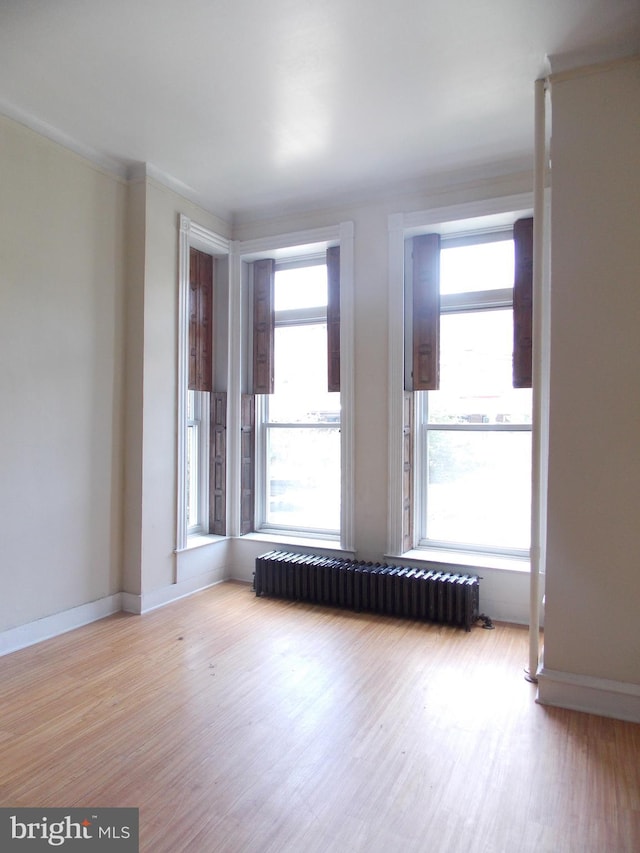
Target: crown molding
{"type": "Point", "coordinates": [137, 172]}
{"type": "Point", "coordinates": [564, 66]}
{"type": "Point", "coordinates": [124, 170]}
{"type": "Point", "coordinates": [111, 165]}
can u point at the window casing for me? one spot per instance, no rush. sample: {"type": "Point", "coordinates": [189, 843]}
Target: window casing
{"type": "Point", "coordinates": [473, 434]}
{"type": "Point", "coordinates": [197, 377]}
{"type": "Point", "coordinates": [298, 434]}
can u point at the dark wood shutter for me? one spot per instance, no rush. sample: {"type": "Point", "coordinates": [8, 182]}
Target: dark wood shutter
{"type": "Point", "coordinates": [263, 325]}
{"type": "Point", "coordinates": [247, 463]}
{"type": "Point", "coordinates": [407, 472]}
{"type": "Point", "coordinates": [523, 303]}
{"type": "Point", "coordinates": [333, 317]}
{"type": "Point", "coordinates": [426, 312]}
{"type": "Point", "coordinates": [200, 320]}
{"type": "Point", "coordinates": [218, 464]}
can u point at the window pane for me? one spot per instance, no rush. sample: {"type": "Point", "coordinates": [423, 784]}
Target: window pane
{"type": "Point", "coordinates": [192, 474]}
{"type": "Point", "coordinates": [479, 490]}
{"type": "Point", "coordinates": [301, 287]}
{"type": "Point", "coordinates": [300, 394]}
{"type": "Point", "coordinates": [303, 478]}
{"type": "Point", "coordinates": [476, 371]}
{"type": "Point", "coordinates": [483, 266]}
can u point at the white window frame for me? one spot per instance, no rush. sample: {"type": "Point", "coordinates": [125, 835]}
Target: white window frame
{"type": "Point", "coordinates": [486, 215]}
{"type": "Point", "coordinates": [459, 303]}
{"type": "Point", "coordinates": [197, 236]}
{"type": "Point", "coordinates": [293, 317]}
{"type": "Point", "coordinates": [283, 247]}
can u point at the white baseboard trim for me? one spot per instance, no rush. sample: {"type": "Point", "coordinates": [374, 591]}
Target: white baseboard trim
{"type": "Point", "coordinates": [146, 602]}
{"type": "Point", "coordinates": [602, 696]}
{"type": "Point", "coordinates": [31, 633]}
{"type": "Point", "coordinates": [52, 626]}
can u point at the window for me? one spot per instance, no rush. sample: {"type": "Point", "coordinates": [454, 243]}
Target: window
{"type": "Point", "coordinates": [473, 434]}
{"type": "Point", "coordinates": [202, 384]}
{"type": "Point", "coordinates": [298, 425]}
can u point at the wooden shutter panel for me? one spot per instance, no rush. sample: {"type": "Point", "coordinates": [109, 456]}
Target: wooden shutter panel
{"type": "Point", "coordinates": [218, 464]}
{"type": "Point", "coordinates": [333, 318]}
{"type": "Point", "coordinates": [247, 463]}
{"type": "Point", "coordinates": [200, 320]}
{"type": "Point", "coordinates": [407, 473]}
{"type": "Point", "coordinates": [263, 325]}
{"type": "Point", "coordinates": [426, 312]}
{"type": "Point", "coordinates": [523, 303]}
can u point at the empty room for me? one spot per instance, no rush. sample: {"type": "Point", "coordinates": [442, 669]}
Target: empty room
{"type": "Point", "coordinates": [320, 449]}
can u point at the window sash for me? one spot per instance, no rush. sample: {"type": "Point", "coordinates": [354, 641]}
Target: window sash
{"type": "Point", "coordinates": [193, 471]}
{"type": "Point", "coordinates": [470, 427]}
{"type": "Point", "coordinates": [264, 429]}
{"type": "Point", "coordinates": [323, 516]}
{"type": "Point", "coordinates": [424, 428]}
{"type": "Point", "coordinates": [198, 460]}
{"type": "Point", "coordinates": [301, 316]}
{"type": "Point", "coordinates": [423, 497]}
{"type": "Point", "coordinates": [310, 316]}
{"type": "Point", "coordinates": [463, 302]}
{"type": "Point", "coordinates": [482, 300]}
{"type": "Point", "coordinates": [301, 425]}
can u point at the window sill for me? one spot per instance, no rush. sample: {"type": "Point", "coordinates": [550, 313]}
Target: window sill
{"type": "Point", "coordinates": [200, 540]}
{"type": "Point", "coordinates": [297, 541]}
{"type": "Point", "coordinates": [466, 560]}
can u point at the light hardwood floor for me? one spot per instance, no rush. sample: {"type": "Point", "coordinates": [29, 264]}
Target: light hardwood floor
{"type": "Point", "coordinates": [241, 724]}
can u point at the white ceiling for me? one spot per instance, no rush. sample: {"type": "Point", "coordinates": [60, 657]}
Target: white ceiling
{"type": "Point", "coordinates": [281, 104]}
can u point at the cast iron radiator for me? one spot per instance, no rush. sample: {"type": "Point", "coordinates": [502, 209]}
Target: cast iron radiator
{"type": "Point", "coordinates": [436, 596]}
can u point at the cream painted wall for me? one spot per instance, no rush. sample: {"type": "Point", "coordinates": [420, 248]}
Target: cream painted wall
{"type": "Point", "coordinates": [134, 376]}
{"type": "Point", "coordinates": [61, 350]}
{"type": "Point", "coordinates": [121, 283]}
{"type": "Point", "coordinates": [152, 370]}
{"type": "Point", "coordinates": [593, 570]}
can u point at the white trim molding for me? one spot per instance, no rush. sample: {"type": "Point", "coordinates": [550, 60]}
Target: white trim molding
{"type": "Point", "coordinates": [59, 623]}
{"type": "Point", "coordinates": [292, 244]}
{"type": "Point", "coordinates": [295, 245]}
{"type": "Point", "coordinates": [496, 213]}
{"type": "Point", "coordinates": [235, 390]}
{"type": "Point", "coordinates": [52, 626]}
{"type": "Point", "coordinates": [396, 381]}
{"type": "Point", "coordinates": [602, 696]}
{"type": "Point", "coordinates": [347, 389]}
{"type": "Point", "coordinates": [486, 215]}
{"type": "Point", "coordinates": [115, 167]}
{"type": "Point", "coordinates": [141, 604]}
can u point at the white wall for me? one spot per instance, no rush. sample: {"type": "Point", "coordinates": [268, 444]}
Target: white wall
{"type": "Point", "coordinates": [88, 347]}
{"type": "Point", "coordinates": [61, 350]}
{"type": "Point", "coordinates": [593, 576]}
{"type": "Point", "coordinates": [134, 384]}
{"type": "Point", "coordinates": [152, 370]}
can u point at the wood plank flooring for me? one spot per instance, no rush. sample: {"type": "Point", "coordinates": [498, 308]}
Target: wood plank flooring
{"type": "Point", "coordinates": [246, 725]}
